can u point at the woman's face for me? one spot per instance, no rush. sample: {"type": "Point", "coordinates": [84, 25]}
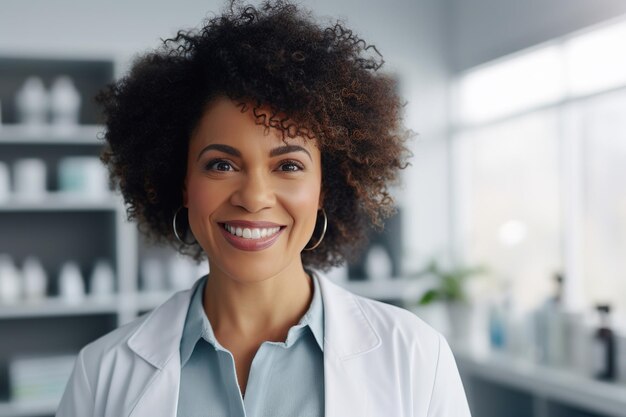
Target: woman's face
{"type": "Point", "coordinates": [252, 199]}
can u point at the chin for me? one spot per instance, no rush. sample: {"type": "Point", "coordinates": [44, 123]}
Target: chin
{"type": "Point", "coordinates": [252, 271]}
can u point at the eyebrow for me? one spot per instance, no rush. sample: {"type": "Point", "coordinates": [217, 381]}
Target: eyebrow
{"type": "Point", "coordinates": [281, 150]}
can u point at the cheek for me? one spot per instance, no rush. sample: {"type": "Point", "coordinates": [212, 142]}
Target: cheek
{"type": "Point", "coordinates": [202, 198]}
{"type": "Point", "coordinates": [302, 202]}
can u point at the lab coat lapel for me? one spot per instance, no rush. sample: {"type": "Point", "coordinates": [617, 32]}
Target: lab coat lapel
{"type": "Point", "coordinates": [348, 336]}
{"type": "Point", "coordinates": [158, 341]}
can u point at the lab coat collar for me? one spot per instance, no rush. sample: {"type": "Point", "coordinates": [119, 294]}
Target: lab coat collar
{"type": "Point", "coordinates": [348, 333]}
{"type": "Point", "coordinates": [347, 330]}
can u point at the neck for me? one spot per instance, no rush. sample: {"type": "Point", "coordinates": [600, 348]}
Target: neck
{"type": "Point", "coordinates": [260, 309]}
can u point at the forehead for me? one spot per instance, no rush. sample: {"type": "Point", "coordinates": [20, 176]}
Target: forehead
{"type": "Point", "coordinates": [223, 120]}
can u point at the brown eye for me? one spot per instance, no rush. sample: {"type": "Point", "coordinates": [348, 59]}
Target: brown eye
{"type": "Point", "coordinates": [219, 165]}
{"type": "Point", "coordinates": [291, 166]}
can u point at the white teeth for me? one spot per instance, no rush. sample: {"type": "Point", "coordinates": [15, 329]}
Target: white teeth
{"type": "Point", "coordinates": [253, 233]}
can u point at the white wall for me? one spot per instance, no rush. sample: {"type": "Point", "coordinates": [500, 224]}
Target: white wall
{"type": "Point", "coordinates": [409, 33]}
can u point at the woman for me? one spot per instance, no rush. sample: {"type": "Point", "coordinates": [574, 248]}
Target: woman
{"type": "Point", "coordinates": [264, 143]}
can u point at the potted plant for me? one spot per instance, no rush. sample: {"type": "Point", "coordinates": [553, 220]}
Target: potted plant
{"type": "Point", "coordinates": [450, 288]}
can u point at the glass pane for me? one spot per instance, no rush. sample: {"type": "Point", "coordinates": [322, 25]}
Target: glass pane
{"type": "Point", "coordinates": [511, 217]}
{"type": "Point", "coordinates": [592, 62]}
{"type": "Point", "coordinates": [604, 141]}
{"type": "Point", "coordinates": [512, 84]}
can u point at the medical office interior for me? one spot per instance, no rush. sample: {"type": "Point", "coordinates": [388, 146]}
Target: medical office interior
{"type": "Point", "coordinates": [510, 233]}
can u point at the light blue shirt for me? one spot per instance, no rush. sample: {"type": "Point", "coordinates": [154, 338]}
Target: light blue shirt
{"type": "Point", "coordinates": [286, 379]}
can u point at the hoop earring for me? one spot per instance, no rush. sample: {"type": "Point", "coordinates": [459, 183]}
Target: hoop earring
{"type": "Point", "coordinates": [176, 232]}
{"type": "Point", "coordinates": [323, 232]}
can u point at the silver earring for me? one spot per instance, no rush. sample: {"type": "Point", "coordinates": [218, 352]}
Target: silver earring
{"type": "Point", "coordinates": [323, 232]}
{"type": "Point", "coordinates": [176, 232]}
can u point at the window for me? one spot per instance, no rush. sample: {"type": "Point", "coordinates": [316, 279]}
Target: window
{"type": "Point", "coordinates": [540, 157]}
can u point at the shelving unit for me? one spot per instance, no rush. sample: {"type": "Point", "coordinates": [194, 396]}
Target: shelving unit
{"type": "Point", "coordinates": [498, 384]}
{"type": "Point", "coordinates": [59, 227]}
{"type": "Point", "coordinates": [27, 410]}
{"type": "Point", "coordinates": [55, 307]}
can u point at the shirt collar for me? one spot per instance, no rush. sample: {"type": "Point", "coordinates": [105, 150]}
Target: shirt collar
{"type": "Point", "coordinates": [197, 325]}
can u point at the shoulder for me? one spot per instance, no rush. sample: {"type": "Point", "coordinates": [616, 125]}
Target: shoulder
{"type": "Point", "coordinates": [394, 326]}
{"type": "Point", "coordinates": [157, 329]}
{"type": "Point", "coordinates": [113, 342]}
{"type": "Point", "coordinates": [427, 358]}
{"type": "Point", "coordinates": [392, 321]}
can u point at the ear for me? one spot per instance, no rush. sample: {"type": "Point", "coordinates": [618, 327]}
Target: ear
{"type": "Point", "coordinates": [321, 200]}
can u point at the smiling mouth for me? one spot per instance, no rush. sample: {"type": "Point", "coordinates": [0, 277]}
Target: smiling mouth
{"type": "Point", "coordinates": [252, 233]}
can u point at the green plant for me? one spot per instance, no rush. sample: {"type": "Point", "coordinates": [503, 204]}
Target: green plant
{"type": "Point", "coordinates": [450, 282]}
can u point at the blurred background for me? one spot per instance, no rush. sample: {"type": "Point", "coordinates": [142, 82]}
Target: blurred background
{"type": "Point", "coordinates": [510, 235]}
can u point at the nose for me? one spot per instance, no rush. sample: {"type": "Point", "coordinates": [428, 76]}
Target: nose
{"type": "Point", "coordinates": [254, 192]}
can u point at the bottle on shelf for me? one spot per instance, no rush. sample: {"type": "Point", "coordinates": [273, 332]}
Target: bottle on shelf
{"type": "Point", "coordinates": [603, 347]}
{"type": "Point", "coordinates": [102, 280]}
{"type": "Point", "coordinates": [10, 288]}
{"type": "Point", "coordinates": [32, 102]}
{"type": "Point", "coordinates": [378, 265]}
{"type": "Point", "coordinates": [550, 328]}
{"type": "Point", "coordinates": [35, 279]}
{"type": "Point", "coordinates": [30, 179]}
{"type": "Point", "coordinates": [499, 313]}
{"type": "Point", "coordinates": [71, 284]}
{"type": "Point", "coordinates": [83, 177]}
{"type": "Point", "coordinates": [64, 104]}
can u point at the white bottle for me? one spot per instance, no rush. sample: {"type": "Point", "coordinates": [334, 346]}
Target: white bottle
{"type": "Point", "coordinates": [32, 104]}
{"type": "Point", "coordinates": [102, 280]}
{"type": "Point", "coordinates": [378, 265]}
{"type": "Point", "coordinates": [10, 290]}
{"type": "Point", "coordinates": [71, 284]}
{"type": "Point", "coordinates": [30, 179]}
{"type": "Point", "coordinates": [35, 279]}
{"type": "Point", "coordinates": [64, 104]}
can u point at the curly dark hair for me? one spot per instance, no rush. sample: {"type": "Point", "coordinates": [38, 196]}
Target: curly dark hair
{"type": "Point", "coordinates": [275, 55]}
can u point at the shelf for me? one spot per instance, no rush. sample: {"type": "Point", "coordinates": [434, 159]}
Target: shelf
{"type": "Point", "coordinates": [386, 289]}
{"type": "Point", "coordinates": [49, 135]}
{"type": "Point", "coordinates": [30, 409]}
{"type": "Point", "coordinates": [57, 201]}
{"type": "Point", "coordinates": [49, 307]}
{"type": "Point", "coordinates": [148, 300]}
{"type": "Point", "coordinates": [390, 289]}
{"type": "Point", "coordinates": [562, 385]}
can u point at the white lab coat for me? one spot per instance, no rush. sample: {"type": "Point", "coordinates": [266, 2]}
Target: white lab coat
{"type": "Point", "coordinates": [379, 361]}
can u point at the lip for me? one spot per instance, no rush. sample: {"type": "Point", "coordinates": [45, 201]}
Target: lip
{"type": "Point", "coordinates": [250, 224]}
{"type": "Point", "coordinates": [250, 244]}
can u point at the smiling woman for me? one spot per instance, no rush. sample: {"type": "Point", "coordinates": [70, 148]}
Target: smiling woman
{"type": "Point", "coordinates": [246, 190]}
{"type": "Point", "coordinates": [263, 144]}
